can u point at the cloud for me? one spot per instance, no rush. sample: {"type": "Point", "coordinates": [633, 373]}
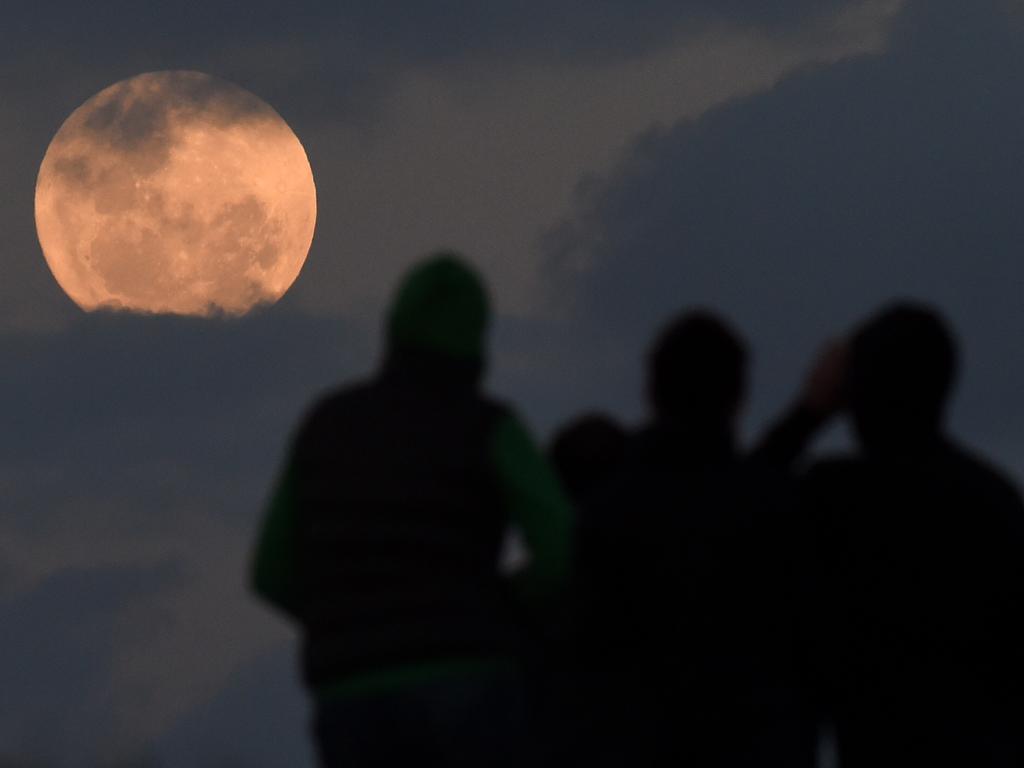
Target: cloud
{"type": "Point", "coordinates": [485, 157]}
{"type": "Point", "coordinates": [202, 394]}
{"type": "Point", "coordinates": [260, 719]}
{"type": "Point", "coordinates": [799, 209]}
{"type": "Point", "coordinates": [145, 450]}
{"type": "Point", "coordinates": [442, 30]}
{"type": "Point", "coordinates": [309, 55]}
{"type": "Point", "coordinates": [56, 693]}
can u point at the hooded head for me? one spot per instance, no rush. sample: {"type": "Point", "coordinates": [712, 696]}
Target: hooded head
{"type": "Point", "coordinates": [440, 309]}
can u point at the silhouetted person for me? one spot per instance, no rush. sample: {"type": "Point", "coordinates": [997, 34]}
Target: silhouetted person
{"type": "Point", "coordinates": [688, 613]}
{"type": "Point", "coordinates": [586, 451]}
{"type": "Point", "coordinates": [383, 537]}
{"type": "Point", "coordinates": [920, 554]}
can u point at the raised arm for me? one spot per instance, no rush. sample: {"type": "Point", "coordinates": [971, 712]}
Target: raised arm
{"type": "Point", "coordinates": [821, 398]}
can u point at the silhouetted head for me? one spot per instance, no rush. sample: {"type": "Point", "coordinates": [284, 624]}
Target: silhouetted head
{"type": "Point", "coordinates": [440, 310]}
{"type": "Point", "coordinates": [697, 373]}
{"type": "Point", "coordinates": [903, 363]}
{"type": "Point", "coordinates": [585, 451]}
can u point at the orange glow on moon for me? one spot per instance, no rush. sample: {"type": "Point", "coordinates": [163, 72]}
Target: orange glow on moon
{"type": "Point", "coordinates": [175, 192]}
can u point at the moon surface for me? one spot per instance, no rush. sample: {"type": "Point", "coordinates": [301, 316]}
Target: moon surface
{"type": "Point", "coordinates": [175, 192]}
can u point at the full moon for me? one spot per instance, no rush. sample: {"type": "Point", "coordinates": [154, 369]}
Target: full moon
{"type": "Point", "coordinates": [175, 192]}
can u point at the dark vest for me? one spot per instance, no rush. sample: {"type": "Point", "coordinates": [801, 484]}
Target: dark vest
{"type": "Point", "coordinates": [400, 525]}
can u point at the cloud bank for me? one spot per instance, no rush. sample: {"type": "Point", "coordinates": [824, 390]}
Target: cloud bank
{"type": "Point", "coordinates": [800, 209]}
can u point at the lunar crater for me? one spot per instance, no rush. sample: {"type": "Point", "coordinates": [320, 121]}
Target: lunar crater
{"type": "Point", "coordinates": [175, 192]}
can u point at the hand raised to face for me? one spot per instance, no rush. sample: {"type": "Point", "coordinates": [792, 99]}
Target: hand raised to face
{"type": "Point", "coordinates": [825, 384]}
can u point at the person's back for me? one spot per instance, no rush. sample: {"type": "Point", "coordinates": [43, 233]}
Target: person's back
{"type": "Point", "coordinates": [383, 542]}
{"type": "Point", "coordinates": [400, 520]}
{"type": "Point", "coordinates": [583, 453]}
{"type": "Point", "coordinates": [919, 549]}
{"type": "Point", "coordinates": [685, 572]}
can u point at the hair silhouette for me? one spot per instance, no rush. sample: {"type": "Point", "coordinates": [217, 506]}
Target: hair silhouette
{"type": "Point", "coordinates": [903, 364]}
{"type": "Point", "coordinates": [697, 371]}
{"type": "Point", "coordinates": [586, 451]}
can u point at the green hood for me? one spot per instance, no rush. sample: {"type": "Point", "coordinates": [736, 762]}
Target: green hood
{"type": "Point", "coordinates": [441, 306]}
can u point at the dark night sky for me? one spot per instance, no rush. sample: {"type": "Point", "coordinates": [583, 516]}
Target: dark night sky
{"type": "Point", "coordinates": [604, 162]}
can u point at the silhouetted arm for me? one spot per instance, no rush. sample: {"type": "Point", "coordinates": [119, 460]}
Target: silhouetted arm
{"type": "Point", "coordinates": [821, 398]}
{"type": "Point", "coordinates": [273, 565]}
{"type": "Point", "coordinates": [788, 439]}
{"type": "Point", "coordinates": [537, 503]}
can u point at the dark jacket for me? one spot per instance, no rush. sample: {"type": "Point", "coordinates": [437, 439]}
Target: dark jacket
{"type": "Point", "coordinates": [688, 567]}
{"type": "Point", "coordinates": [919, 575]}
{"type": "Point", "coordinates": [384, 535]}
{"type": "Point", "coordinates": [400, 521]}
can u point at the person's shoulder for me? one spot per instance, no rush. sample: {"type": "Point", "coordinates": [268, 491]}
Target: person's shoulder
{"type": "Point", "coordinates": [334, 402]}
{"type": "Point", "coordinates": [500, 418]}
{"type": "Point", "coordinates": [984, 475]}
{"type": "Point", "coordinates": [340, 396]}
{"type": "Point", "coordinates": [497, 407]}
